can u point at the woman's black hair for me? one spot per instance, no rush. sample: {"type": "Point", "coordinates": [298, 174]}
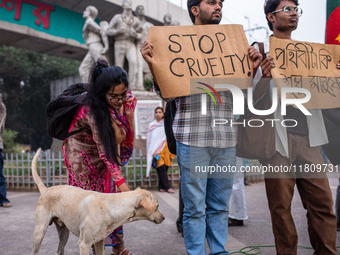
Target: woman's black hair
{"type": "Point", "coordinates": [159, 108]}
{"type": "Point", "coordinates": [102, 78]}
{"type": "Point", "coordinates": [271, 5]}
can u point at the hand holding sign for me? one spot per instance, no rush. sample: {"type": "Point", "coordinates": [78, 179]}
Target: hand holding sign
{"type": "Point", "coordinates": [147, 52]}
{"type": "Point", "coordinates": [177, 54]}
{"type": "Point", "coordinates": [267, 65]}
{"type": "Point", "coordinates": [256, 57]}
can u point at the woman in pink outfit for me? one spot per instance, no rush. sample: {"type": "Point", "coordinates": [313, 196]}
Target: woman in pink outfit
{"type": "Point", "coordinates": [94, 155]}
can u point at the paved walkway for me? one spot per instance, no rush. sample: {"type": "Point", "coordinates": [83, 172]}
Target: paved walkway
{"type": "Point", "coordinates": [144, 237]}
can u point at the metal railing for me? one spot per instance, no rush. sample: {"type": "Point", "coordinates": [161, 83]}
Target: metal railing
{"type": "Point", "coordinates": [52, 171]}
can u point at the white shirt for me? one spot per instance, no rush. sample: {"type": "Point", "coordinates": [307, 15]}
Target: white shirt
{"type": "Point", "coordinates": [316, 126]}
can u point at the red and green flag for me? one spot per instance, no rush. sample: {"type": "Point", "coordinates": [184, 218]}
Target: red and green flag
{"type": "Point", "coordinates": [333, 22]}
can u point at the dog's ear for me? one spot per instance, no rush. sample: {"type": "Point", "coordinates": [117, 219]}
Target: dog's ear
{"type": "Point", "coordinates": [138, 188]}
{"type": "Point", "coordinates": [147, 203]}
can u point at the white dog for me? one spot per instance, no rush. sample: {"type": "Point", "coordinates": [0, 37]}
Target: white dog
{"type": "Point", "coordinates": [89, 215]}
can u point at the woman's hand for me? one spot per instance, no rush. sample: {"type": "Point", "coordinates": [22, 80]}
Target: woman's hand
{"type": "Point", "coordinates": [123, 187]}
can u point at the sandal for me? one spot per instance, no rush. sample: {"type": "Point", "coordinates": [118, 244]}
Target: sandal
{"type": "Point", "coordinates": [6, 205]}
{"type": "Point", "coordinates": [161, 190]}
{"type": "Point", "coordinates": [124, 251]}
{"type": "Point", "coordinates": [170, 190]}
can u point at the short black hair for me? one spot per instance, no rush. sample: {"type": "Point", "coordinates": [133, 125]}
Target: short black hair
{"type": "Point", "coordinates": [192, 3]}
{"type": "Point", "coordinates": [271, 5]}
{"type": "Point", "coordinates": [161, 108]}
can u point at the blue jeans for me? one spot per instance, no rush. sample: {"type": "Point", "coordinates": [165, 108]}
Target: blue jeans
{"type": "Point", "coordinates": [205, 199]}
{"type": "Point", "coordinates": [3, 198]}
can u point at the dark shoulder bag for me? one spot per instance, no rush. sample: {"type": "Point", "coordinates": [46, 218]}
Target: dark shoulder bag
{"type": "Point", "coordinates": [257, 142]}
{"type": "Point", "coordinates": [169, 116]}
{"type": "Point", "coordinates": [332, 122]}
{"type": "Point", "coordinates": [61, 110]}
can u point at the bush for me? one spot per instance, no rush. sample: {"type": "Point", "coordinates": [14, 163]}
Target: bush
{"type": "Point", "coordinates": [148, 84]}
{"type": "Point", "coordinates": [8, 137]}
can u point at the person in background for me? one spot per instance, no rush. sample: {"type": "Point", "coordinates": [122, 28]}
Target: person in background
{"type": "Point", "coordinates": [237, 203]}
{"type": "Point", "coordinates": [158, 150]}
{"type": "Point", "coordinates": [337, 205]}
{"type": "Point", "coordinates": [331, 150]}
{"type": "Point", "coordinates": [4, 202]}
{"type": "Point", "coordinates": [94, 155]}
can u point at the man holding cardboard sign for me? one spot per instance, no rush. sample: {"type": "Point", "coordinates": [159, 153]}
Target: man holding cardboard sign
{"type": "Point", "coordinates": [296, 150]}
{"type": "Point", "coordinates": [196, 52]}
{"type": "Point", "coordinates": [198, 143]}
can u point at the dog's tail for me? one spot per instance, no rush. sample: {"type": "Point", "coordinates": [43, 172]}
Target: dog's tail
{"type": "Point", "coordinates": [38, 181]}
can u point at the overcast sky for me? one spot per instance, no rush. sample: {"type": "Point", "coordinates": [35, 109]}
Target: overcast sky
{"type": "Point", "coordinates": [250, 14]}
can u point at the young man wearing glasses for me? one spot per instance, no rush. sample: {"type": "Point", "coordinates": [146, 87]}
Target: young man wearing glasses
{"type": "Point", "coordinates": [297, 146]}
{"type": "Point", "coordinates": [205, 199]}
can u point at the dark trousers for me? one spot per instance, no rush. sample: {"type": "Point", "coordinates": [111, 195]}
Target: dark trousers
{"type": "Point", "coordinates": [162, 172]}
{"type": "Point", "coordinates": [316, 198]}
{"type": "Point", "coordinates": [3, 198]}
{"type": "Point", "coordinates": [337, 205]}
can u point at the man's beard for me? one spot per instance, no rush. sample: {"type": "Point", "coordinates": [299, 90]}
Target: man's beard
{"type": "Point", "coordinates": [214, 20]}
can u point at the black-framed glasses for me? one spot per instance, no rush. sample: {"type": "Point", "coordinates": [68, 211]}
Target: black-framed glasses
{"type": "Point", "coordinates": [288, 10]}
{"type": "Point", "coordinates": [118, 98]}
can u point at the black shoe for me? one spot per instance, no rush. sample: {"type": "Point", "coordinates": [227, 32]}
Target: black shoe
{"type": "Point", "coordinates": [234, 222]}
{"type": "Point", "coordinates": [246, 182]}
{"type": "Point", "coordinates": [179, 225]}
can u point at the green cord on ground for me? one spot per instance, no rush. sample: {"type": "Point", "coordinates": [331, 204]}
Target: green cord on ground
{"type": "Point", "coordinates": [256, 249]}
{"type": "Point", "coordinates": [247, 250]}
{"type": "Point", "coordinates": [251, 250]}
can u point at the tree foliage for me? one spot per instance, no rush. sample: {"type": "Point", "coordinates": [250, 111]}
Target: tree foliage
{"type": "Point", "coordinates": [25, 79]}
{"type": "Point", "coordinates": [8, 137]}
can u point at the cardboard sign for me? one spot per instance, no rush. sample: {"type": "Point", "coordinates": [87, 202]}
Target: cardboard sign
{"type": "Point", "coordinates": [310, 66]}
{"type": "Point", "coordinates": [208, 51]}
